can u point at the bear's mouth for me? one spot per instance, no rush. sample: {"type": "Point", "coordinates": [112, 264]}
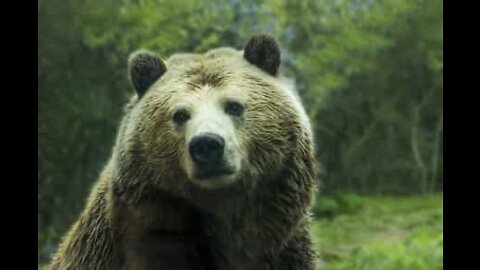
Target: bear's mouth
{"type": "Point", "coordinates": [205, 173]}
{"type": "Point", "coordinates": [214, 177]}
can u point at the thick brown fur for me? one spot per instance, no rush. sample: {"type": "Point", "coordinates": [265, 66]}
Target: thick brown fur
{"type": "Point", "coordinates": [144, 213]}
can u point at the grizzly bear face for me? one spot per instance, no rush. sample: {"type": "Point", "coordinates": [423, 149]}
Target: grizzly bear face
{"type": "Point", "coordinates": [214, 119]}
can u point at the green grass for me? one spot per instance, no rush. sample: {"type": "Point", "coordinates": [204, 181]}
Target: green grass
{"type": "Point", "coordinates": [387, 233]}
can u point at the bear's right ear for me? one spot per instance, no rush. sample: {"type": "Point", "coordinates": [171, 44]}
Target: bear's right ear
{"type": "Point", "coordinates": [144, 68]}
{"type": "Point", "coordinates": [263, 51]}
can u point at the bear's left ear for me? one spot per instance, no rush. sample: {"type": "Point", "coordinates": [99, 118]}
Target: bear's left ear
{"type": "Point", "coordinates": [263, 51]}
{"type": "Point", "coordinates": [144, 68]}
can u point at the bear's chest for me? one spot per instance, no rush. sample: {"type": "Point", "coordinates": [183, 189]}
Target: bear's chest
{"type": "Point", "coordinates": [167, 251]}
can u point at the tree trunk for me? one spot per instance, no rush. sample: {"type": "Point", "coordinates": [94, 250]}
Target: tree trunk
{"type": "Point", "coordinates": [436, 152]}
{"type": "Point", "coordinates": [414, 143]}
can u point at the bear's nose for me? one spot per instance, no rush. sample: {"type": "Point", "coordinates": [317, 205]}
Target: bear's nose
{"type": "Point", "coordinates": [207, 149]}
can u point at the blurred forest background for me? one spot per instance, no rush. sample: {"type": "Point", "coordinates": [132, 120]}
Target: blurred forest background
{"type": "Point", "coordinates": [370, 73]}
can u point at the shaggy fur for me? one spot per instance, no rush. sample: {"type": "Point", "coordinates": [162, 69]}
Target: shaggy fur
{"type": "Point", "coordinates": [144, 213]}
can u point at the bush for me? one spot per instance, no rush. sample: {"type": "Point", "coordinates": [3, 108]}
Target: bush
{"type": "Point", "coordinates": [330, 206]}
{"type": "Point", "coordinates": [349, 202]}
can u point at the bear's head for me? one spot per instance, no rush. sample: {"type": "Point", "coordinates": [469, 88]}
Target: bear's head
{"type": "Point", "coordinates": [213, 120]}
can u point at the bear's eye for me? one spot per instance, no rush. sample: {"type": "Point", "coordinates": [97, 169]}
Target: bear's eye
{"type": "Point", "coordinates": [234, 108]}
{"type": "Point", "coordinates": [181, 116]}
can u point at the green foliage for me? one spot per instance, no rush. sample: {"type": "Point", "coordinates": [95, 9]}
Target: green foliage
{"type": "Point", "coordinates": [372, 78]}
{"type": "Point", "coordinates": [169, 26]}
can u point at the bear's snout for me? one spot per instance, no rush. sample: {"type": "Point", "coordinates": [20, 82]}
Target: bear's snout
{"type": "Point", "coordinates": [207, 150]}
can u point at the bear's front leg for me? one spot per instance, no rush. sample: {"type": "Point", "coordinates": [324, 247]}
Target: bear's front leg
{"type": "Point", "coordinates": [298, 254]}
{"type": "Point", "coordinates": [91, 243]}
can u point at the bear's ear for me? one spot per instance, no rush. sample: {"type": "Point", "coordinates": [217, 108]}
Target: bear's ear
{"type": "Point", "coordinates": [144, 68]}
{"type": "Point", "coordinates": [263, 51]}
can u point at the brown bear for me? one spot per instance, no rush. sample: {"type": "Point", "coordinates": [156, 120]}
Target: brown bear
{"type": "Point", "coordinates": [213, 168]}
